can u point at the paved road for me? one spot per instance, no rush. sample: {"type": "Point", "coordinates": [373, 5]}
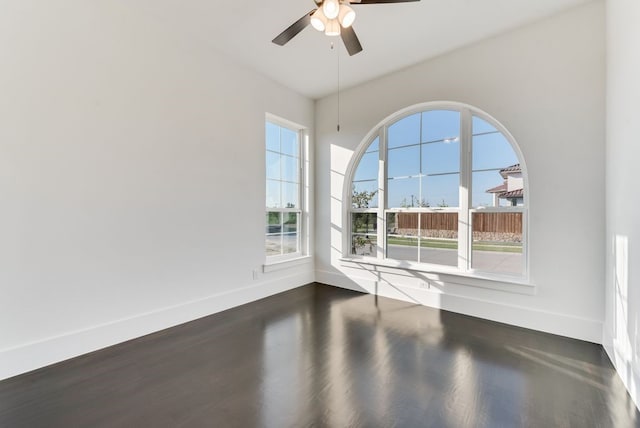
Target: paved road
{"type": "Point", "coordinates": [490, 261]}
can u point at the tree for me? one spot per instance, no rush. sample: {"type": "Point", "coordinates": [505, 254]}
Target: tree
{"type": "Point", "coordinates": [360, 221]}
{"type": "Point", "coordinates": [362, 199]}
{"type": "Point", "coordinates": [414, 202]}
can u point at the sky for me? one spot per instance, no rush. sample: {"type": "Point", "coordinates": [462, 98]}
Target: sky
{"type": "Point", "coordinates": [423, 161]}
{"type": "Point", "coordinates": [282, 160]}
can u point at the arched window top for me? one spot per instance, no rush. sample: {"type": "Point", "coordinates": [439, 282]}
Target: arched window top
{"type": "Point", "coordinates": [441, 185]}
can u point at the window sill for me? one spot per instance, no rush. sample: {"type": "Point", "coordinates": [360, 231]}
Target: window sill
{"type": "Point", "coordinates": [285, 264]}
{"type": "Point", "coordinates": [440, 277]}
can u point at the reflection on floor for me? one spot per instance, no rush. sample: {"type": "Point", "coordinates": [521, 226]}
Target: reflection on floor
{"type": "Point", "coordinates": [322, 356]}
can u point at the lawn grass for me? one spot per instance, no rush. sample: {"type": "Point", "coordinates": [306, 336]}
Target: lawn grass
{"type": "Point", "coordinates": [430, 243]}
{"type": "Point", "coordinates": [503, 247]}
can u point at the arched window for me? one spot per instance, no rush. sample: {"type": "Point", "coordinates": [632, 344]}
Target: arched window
{"type": "Point", "coordinates": [440, 187]}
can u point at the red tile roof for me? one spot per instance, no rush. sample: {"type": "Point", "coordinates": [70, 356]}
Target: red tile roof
{"type": "Point", "coordinates": [502, 189]}
{"type": "Point", "coordinates": [518, 193]}
{"type": "Point", "coordinates": [510, 170]}
{"type": "Point", "coordinates": [498, 189]}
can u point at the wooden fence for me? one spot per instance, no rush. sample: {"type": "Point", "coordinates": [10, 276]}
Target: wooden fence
{"type": "Point", "coordinates": [497, 222]}
{"type": "Point", "coordinates": [430, 221]}
{"type": "Point", "coordinates": [482, 222]}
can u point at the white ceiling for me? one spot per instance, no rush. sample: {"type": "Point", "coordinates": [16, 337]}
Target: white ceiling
{"type": "Point", "coordinates": [393, 36]}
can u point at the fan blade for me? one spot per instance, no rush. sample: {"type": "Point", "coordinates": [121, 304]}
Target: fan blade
{"type": "Point", "coordinates": [350, 40]}
{"type": "Point", "coordinates": [380, 1]}
{"type": "Point", "coordinates": [293, 29]}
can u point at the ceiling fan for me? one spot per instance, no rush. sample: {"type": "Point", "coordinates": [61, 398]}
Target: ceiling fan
{"type": "Point", "coordinates": [334, 17]}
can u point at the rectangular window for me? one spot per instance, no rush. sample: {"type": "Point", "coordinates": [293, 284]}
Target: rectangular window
{"type": "Point", "coordinates": [284, 184]}
{"type": "Point", "coordinates": [497, 242]}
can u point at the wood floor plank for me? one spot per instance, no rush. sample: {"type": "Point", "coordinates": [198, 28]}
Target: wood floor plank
{"type": "Point", "coordinates": [326, 357]}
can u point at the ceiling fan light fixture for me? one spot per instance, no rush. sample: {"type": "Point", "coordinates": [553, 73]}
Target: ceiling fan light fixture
{"type": "Point", "coordinates": [335, 18]}
{"type": "Point", "coordinates": [346, 16]}
{"type": "Point", "coordinates": [333, 28]}
{"type": "Point", "coordinates": [318, 20]}
{"type": "Point", "coordinates": [331, 8]}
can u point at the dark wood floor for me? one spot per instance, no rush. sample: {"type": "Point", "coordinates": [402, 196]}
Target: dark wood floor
{"type": "Point", "coordinates": [320, 356]}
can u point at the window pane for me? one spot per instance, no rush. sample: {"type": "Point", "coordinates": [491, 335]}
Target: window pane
{"type": "Point", "coordinates": [289, 243]}
{"type": "Point", "coordinates": [364, 223]}
{"type": "Point", "coordinates": [496, 177]}
{"type": "Point", "coordinates": [273, 194]}
{"type": "Point", "coordinates": [289, 169]}
{"type": "Point", "coordinates": [441, 157]}
{"type": "Point", "coordinates": [497, 242]}
{"type": "Point", "coordinates": [440, 125]}
{"type": "Point", "coordinates": [404, 192]}
{"type": "Point", "coordinates": [363, 233]}
{"type": "Point", "coordinates": [403, 162]}
{"type": "Point", "coordinates": [481, 126]}
{"type": "Point", "coordinates": [441, 190]}
{"type": "Point", "coordinates": [274, 245]}
{"type": "Point", "coordinates": [290, 235]}
{"type": "Point", "coordinates": [492, 151]}
{"type": "Point", "coordinates": [374, 146]}
{"type": "Point", "coordinates": [273, 239]}
{"type": "Point", "coordinates": [487, 186]}
{"type": "Point", "coordinates": [499, 188]}
{"type": "Point", "coordinates": [439, 238]}
{"type": "Point", "coordinates": [273, 165]}
{"type": "Point", "coordinates": [290, 195]}
{"type": "Point", "coordinates": [368, 167]}
{"type": "Point", "coordinates": [289, 142]}
{"type": "Point", "coordinates": [405, 132]}
{"type": "Point", "coordinates": [402, 236]}
{"type": "Point", "coordinates": [274, 222]}
{"type": "Point", "coordinates": [272, 137]}
{"type": "Point", "coordinates": [365, 194]}
{"type": "Point", "coordinates": [438, 158]}
{"type": "Point", "coordinates": [290, 224]}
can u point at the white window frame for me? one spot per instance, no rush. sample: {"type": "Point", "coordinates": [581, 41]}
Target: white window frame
{"type": "Point", "coordinates": [303, 197]}
{"type": "Point", "coordinates": [465, 210]}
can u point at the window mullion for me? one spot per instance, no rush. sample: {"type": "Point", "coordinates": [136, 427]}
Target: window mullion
{"type": "Point", "coordinates": [420, 192]}
{"type": "Point", "coordinates": [281, 233]}
{"type": "Point", "coordinates": [382, 194]}
{"type": "Point", "coordinates": [464, 229]}
{"type": "Point", "coordinates": [303, 228]}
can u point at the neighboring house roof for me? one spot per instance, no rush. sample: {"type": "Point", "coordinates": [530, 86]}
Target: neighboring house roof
{"type": "Point", "coordinates": [504, 172]}
{"type": "Point", "coordinates": [501, 190]}
{"type": "Point", "coordinates": [498, 189]}
{"type": "Point", "coordinates": [518, 193]}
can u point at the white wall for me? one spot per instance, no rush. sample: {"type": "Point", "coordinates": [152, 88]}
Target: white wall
{"type": "Point", "coordinates": [131, 179]}
{"type": "Point", "coordinates": [622, 325]}
{"type": "Point", "coordinates": [545, 83]}
{"type": "Point", "coordinates": [515, 181]}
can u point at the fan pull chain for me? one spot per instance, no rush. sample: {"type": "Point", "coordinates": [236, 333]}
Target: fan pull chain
{"type": "Point", "coordinates": [338, 110]}
{"type": "Point", "coordinates": [338, 55]}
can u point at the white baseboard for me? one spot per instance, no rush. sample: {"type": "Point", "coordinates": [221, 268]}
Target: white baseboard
{"type": "Point", "coordinates": [549, 322]}
{"type": "Point", "coordinates": [630, 376]}
{"type": "Point", "coordinates": [31, 356]}
{"type": "Point", "coordinates": [34, 355]}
